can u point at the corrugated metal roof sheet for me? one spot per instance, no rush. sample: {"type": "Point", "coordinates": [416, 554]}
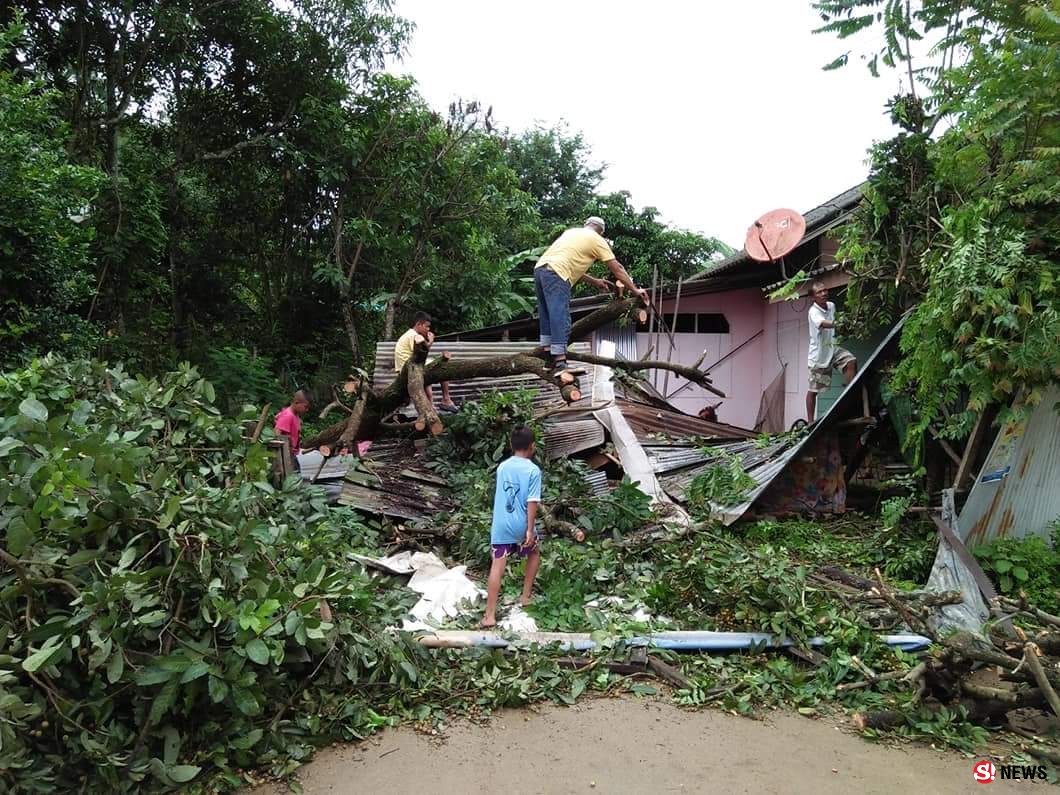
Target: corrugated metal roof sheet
{"type": "Point", "coordinates": [392, 481]}
{"type": "Point", "coordinates": [546, 394]}
{"type": "Point", "coordinates": [572, 436]}
{"type": "Point", "coordinates": [1017, 493]}
{"type": "Point", "coordinates": [647, 420]}
{"type": "Point", "coordinates": [597, 481]}
{"type": "Point", "coordinates": [624, 337]}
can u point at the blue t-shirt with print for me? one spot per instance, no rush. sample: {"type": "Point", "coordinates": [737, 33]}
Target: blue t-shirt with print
{"type": "Point", "coordinates": [518, 482]}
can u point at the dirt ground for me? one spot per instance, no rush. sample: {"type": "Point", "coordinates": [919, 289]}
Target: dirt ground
{"type": "Point", "coordinates": [631, 745]}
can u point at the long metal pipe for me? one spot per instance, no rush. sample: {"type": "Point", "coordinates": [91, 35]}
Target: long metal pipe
{"type": "Point", "coordinates": [677, 641]}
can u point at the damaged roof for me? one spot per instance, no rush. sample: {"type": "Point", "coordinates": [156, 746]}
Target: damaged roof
{"type": "Point", "coordinates": [393, 481]}
{"type": "Point", "coordinates": [764, 464]}
{"type": "Point", "coordinates": [647, 420]}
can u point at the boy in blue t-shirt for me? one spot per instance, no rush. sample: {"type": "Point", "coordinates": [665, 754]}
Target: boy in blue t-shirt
{"type": "Point", "coordinates": [514, 519]}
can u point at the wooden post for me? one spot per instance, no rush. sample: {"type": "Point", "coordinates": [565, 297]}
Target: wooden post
{"type": "Point", "coordinates": [971, 447]}
{"type": "Point", "coordinates": [261, 423]}
{"type": "Point", "coordinates": [669, 357]}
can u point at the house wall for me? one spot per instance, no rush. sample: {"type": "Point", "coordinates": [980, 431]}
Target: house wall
{"type": "Point", "coordinates": [739, 377]}
{"type": "Point", "coordinates": [782, 346]}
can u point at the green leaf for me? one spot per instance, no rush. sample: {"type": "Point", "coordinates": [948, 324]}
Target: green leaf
{"type": "Point", "coordinates": [19, 536]}
{"type": "Point", "coordinates": [245, 701]}
{"type": "Point", "coordinates": [643, 690]}
{"type": "Point", "coordinates": [82, 557]}
{"type": "Point", "coordinates": [115, 666]}
{"type": "Point", "coordinates": [1021, 574]}
{"type": "Point", "coordinates": [165, 699]}
{"type": "Point", "coordinates": [257, 651]}
{"type": "Point", "coordinates": [170, 745]}
{"type": "Point", "coordinates": [172, 506]}
{"type": "Point", "coordinates": [410, 670]}
{"type": "Point", "coordinates": [33, 409]}
{"type": "Point", "coordinates": [248, 740]}
{"type": "Point", "coordinates": [152, 676]}
{"type": "Point", "coordinates": [194, 671]}
{"type": "Point", "coordinates": [218, 690]}
{"type": "Point", "coordinates": [1001, 565]}
{"type": "Point", "coordinates": [7, 444]}
{"type": "Point", "coordinates": [182, 774]}
{"type": "Point", "coordinates": [207, 390]}
{"type": "Point", "coordinates": [40, 658]}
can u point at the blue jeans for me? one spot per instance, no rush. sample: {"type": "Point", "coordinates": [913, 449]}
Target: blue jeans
{"type": "Point", "coordinates": [553, 309]}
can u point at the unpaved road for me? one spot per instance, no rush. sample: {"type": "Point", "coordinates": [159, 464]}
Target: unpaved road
{"type": "Point", "coordinates": [628, 745]}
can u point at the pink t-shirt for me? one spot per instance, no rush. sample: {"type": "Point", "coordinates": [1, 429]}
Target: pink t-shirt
{"type": "Point", "coordinates": [291, 424]}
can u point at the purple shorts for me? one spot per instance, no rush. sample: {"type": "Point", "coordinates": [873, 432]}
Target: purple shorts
{"type": "Point", "coordinates": [518, 550]}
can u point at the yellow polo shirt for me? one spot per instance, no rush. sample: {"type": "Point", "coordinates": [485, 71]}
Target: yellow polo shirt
{"type": "Point", "coordinates": [404, 348]}
{"type": "Point", "coordinates": [574, 251]}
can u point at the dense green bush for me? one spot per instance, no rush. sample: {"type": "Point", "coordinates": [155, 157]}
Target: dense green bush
{"type": "Point", "coordinates": [1024, 565]}
{"type": "Point", "coordinates": [159, 617]}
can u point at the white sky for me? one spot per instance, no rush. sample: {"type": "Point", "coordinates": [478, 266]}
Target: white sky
{"type": "Point", "coordinates": [714, 112]}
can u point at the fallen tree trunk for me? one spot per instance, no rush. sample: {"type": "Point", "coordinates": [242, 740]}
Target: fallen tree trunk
{"type": "Point", "coordinates": [372, 407]}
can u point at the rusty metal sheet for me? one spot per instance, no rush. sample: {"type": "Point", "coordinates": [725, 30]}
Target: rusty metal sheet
{"type": "Point", "coordinates": [647, 421]}
{"type": "Point", "coordinates": [546, 395]}
{"type": "Point", "coordinates": [392, 481]}
{"type": "Point", "coordinates": [1017, 492]}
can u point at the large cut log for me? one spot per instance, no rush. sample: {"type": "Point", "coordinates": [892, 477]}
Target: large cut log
{"type": "Point", "coordinates": [376, 405]}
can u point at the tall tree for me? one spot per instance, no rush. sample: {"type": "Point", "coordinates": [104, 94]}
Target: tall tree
{"type": "Point", "coordinates": [45, 229]}
{"type": "Point", "coordinates": [964, 226]}
{"type": "Point", "coordinates": [555, 167]}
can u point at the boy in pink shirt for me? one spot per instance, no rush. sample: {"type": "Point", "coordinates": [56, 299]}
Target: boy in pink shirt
{"type": "Point", "coordinates": [289, 420]}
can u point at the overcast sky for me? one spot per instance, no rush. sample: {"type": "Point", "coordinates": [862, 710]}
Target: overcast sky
{"type": "Point", "coordinates": [714, 112]}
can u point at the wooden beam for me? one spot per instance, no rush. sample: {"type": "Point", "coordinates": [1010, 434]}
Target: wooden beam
{"type": "Point", "coordinates": [945, 445]}
{"type": "Point", "coordinates": [971, 448]}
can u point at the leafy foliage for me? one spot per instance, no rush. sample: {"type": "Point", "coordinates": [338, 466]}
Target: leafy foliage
{"type": "Point", "coordinates": [963, 225]}
{"type": "Point", "coordinates": [159, 610]}
{"type": "Point", "coordinates": [45, 225]}
{"type": "Point", "coordinates": [724, 483]}
{"type": "Point", "coordinates": [1024, 565]}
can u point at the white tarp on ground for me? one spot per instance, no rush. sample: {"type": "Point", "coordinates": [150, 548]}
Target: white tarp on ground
{"type": "Point", "coordinates": [444, 593]}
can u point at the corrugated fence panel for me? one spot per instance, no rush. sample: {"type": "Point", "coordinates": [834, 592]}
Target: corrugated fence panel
{"type": "Point", "coordinates": [1017, 493]}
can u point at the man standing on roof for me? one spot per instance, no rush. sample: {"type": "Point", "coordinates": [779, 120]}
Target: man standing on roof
{"type": "Point", "coordinates": [824, 353]}
{"type": "Point", "coordinates": [406, 346]}
{"type": "Point", "coordinates": [563, 265]}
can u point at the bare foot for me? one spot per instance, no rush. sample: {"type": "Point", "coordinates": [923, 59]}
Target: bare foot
{"type": "Point", "coordinates": [526, 602]}
{"type": "Point", "coordinates": [486, 624]}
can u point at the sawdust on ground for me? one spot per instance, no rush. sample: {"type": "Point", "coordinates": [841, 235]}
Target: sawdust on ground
{"type": "Point", "coordinates": [635, 745]}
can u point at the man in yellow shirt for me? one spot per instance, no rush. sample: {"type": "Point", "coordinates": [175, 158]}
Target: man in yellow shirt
{"type": "Point", "coordinates": [406, 346]}
{"type": "Point", "coordinates": [564, 264]}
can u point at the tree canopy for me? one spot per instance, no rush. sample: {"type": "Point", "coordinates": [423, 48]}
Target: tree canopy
{"type": "Point", "coordinates": [243, 185]}
{"type": "Point", "coordinates": [963, 226]}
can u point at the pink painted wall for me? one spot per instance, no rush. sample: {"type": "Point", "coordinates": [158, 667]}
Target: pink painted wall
{"type": "Point", "coordinates": [787, 342]}
{"type": "Point", "coordinates": [739, 377]}
{"type": "Point", "coordinates": [744, 376]}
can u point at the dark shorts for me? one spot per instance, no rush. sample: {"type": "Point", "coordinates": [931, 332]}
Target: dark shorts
{"type": "Point", "coordinates": [506, 550]}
